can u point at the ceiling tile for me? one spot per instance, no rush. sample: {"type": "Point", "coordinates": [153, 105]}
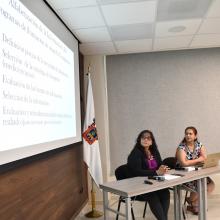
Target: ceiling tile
{"type": "Point", "coordinates": [189, 27]}
{"type": "Point", "coordinates": [144, 45]}
{"type": "Point", "coordinates": [93, 35]}
{"type": "Point", "coordinates": [210, 26]}
{"type": "Point", "coordinates": [58, 4]}
{"type": "Point", "coordinates": [206, 40]}
{"type": "Point", "coordinates": [129, 13]}
{"type": "Point", "coordinates": [132, 27]}
{"type": "Point", "coordinates": [105, 2]}
{"type": "Point", "coordinates": [131, 32]}
{"type": "Point", "coordinates": [172, 42]}
{"type": "Point", "coordinates": [214, 10]}
{"type": "Point", "coordinates": [181, 9]}
{"type": "Point", "coordinates": [77, 18]}
{"type": "Point", "coordinates": [103, 48]}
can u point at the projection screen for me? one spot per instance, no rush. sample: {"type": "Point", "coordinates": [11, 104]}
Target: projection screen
{"type": "Point", "coordinates": [39, 69]}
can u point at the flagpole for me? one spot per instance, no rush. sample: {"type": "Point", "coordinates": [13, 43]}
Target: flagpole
{"type": "Point", "coordinates": [93, 213]}
{"type": "Point", "coordinates": [89, 68]}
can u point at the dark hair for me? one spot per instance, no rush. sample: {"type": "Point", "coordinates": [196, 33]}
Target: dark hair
{"type": "Point", "coordinates": [153, 147]}
{"type": "Point", "coordinates": [194, 131]}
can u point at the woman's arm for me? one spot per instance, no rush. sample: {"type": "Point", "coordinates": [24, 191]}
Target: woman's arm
{"type": "Point", "coordinates": [203, 153]}
{"type": "Point", "coordinates": [135, 161]}
{"type": "Point", "coordinates": [181, 157]}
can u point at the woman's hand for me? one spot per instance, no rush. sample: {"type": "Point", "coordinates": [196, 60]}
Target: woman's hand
{"type": "Point", "coordinates": [181, 157]}
{"type": "Point", "coordinates": [162, 170]}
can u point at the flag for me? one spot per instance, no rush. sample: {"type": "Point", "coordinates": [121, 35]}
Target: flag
{"type": "Point", "coordinates": [91, 151]}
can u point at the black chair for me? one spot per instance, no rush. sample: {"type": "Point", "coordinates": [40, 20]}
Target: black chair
{"type": "Point", "coordinates": [122, 172]}
{"type": "Point", "coordinates": [171, 163]}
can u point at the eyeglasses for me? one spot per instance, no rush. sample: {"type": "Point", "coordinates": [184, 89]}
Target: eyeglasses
{"type": "Point", "coordinates": [147, 138]}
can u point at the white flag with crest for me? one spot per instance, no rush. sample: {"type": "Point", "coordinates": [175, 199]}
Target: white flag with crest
{"type": "Point", "coordinates": [91, 151]}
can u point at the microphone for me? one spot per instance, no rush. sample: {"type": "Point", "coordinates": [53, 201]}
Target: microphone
{"type": "Point", "coordinates": [180, 168]}
{"type": "Point", "coordinates": [158, 178]}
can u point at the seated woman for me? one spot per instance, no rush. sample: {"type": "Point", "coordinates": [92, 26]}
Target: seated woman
{"type": "Point", "coordinates": [191, 152]}
{"type": "Point", "coordinates": [145, 160]}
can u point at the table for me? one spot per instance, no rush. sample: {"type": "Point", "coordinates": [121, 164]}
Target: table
{"type": "Point", "coordinates": [135, 186]}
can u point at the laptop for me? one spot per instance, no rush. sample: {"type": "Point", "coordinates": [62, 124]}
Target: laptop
{"type": "Point", "coordinates": [212, 160]}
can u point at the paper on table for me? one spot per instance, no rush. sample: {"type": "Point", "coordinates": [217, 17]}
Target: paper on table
{"type": "Point", "coordinates": [170, 176]}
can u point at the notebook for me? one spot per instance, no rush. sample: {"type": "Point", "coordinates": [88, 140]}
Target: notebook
{"type": "Point", "coordinates": [212, 160]}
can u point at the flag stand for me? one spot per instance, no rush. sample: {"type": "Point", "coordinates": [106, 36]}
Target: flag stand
{"type": "Point", "coordinates": [94, 213]}
{"type": "Point", "coordinates": [91, 148]}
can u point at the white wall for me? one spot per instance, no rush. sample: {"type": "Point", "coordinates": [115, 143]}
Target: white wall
{"type": "Point", "coordinates": [164, 92]}
{"type": "Point", "coordinates": [208, 69]}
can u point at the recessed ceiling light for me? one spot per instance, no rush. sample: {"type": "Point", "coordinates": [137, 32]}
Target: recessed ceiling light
{"type": "Point", "coordinates": [177, 29]}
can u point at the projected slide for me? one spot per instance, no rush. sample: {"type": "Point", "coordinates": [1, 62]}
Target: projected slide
{"type": "Point", "coordinates": [37, 101]}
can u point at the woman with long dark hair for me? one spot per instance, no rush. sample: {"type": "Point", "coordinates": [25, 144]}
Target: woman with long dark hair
{"type": "Point", "coordinates": [191, 152]}
{"type": "Point", "coordinates": [145, 160]}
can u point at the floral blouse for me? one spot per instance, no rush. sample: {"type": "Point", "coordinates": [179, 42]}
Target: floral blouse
{"type": "Point", "coordinates": [189, 154]}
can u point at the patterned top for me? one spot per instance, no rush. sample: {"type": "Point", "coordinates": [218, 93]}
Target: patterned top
{"type": "Point", "coordinates": [189, 154]}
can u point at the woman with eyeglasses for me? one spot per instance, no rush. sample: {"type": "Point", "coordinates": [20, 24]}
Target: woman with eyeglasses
{"type": "Point", "coordinates": [145, 160]}
{"type": "Point", "coordinates": [191, 152]}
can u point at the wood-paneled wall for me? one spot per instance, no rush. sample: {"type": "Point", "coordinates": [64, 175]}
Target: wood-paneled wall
{"type": "Point", "coordinates": [53, 187]}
